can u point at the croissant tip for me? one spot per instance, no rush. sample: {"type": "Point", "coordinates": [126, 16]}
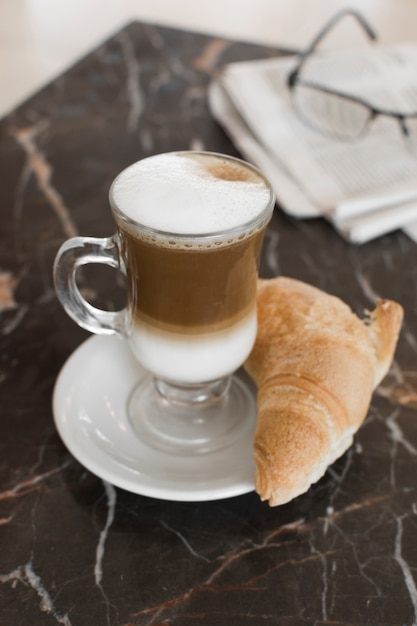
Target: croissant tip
{"type": "Point", "coordinates": [268, 484]}
{"type": "Point", "coordinates": [264, 479]}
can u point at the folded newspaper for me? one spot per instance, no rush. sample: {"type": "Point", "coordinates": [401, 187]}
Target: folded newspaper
{"type": "Point", "coordinates": [365, 188]}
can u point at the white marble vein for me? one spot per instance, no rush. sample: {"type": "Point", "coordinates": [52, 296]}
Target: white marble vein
{"type": "Point", "coordinates": [405, 568]}
{"type": "Point", "coordinates": [362, 279]}
{"type": "Point", "coordinates": [340, 477]}
{"type": "Point", "coordinates": [185, 542]}
{"type": "Point", "coordinates": [46, 604]}
{"type": "Point", "coordinates": [111, 498]}
{"type": "Point", "coordinates": [325, 581]}
{"type": "Point", "coordinates": [367, 289]}
{"type": "Point", "coordinates": [14, 321]}
{"type": "Point", "coordinates": [409, 337]}
{"type": "Point", "coordinates": [332, 520]}
{"type": "Point", "coordinates": [397, 434]}
{"type": "Point", "coordinates": [27, 575]}
{"type": "Point", "coordinates": [111, 506]}
{"type": "Point", "coordinates": [134, 90]}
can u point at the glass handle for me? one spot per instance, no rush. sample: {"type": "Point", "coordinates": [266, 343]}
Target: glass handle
{"type": "Point", "coordinates": [73, 254]}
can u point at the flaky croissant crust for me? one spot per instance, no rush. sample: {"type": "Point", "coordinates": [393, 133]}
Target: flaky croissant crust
{"type": "Point", "coordinates": [315, 364]}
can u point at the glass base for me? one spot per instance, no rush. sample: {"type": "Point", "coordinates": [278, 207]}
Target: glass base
{"type": "Point", "coordinates": [191, 419]}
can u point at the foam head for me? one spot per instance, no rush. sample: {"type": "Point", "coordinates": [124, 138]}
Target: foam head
{"type": "Point", "coordinates": [190, 193]}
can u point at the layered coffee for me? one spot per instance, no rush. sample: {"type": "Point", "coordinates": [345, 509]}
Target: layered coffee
{"type": "Point", "coordinates": [191, 227]}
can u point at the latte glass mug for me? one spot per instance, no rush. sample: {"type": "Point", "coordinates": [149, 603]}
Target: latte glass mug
{"type": "Point", "coordinates": [190, 227]}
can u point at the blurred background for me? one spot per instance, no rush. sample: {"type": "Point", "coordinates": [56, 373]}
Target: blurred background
{"type": "Point", "coordinates": [39, 39]}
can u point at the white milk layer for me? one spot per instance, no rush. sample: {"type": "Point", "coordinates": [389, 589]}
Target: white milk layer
{"type": "Point", "coordinates": [190, 193]}
{"type": "Point", "coordinates": [193, 358]}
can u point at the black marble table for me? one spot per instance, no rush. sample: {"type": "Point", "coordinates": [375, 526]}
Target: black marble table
{"type": "Point", "coordinates": [77, 551]}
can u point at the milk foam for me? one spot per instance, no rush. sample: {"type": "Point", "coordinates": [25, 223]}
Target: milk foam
{"type": "Point", "coordinates": [193, 358]}
{"type": "Point", "coordinates": [190, 193]}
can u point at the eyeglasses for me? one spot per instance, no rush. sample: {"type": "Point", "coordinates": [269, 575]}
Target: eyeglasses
{"type": "Point", "coordinates": [333, 112]}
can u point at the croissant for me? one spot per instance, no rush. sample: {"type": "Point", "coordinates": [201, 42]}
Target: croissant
{"type": "Point", "coordinates": [315, 364]}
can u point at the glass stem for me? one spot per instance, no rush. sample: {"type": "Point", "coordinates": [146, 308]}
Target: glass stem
{"type": "Point", "coordinates": [201, 394]}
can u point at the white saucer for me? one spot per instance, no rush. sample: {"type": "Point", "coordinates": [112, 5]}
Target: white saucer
{"type": "Point", "coordinates": [89, 405]}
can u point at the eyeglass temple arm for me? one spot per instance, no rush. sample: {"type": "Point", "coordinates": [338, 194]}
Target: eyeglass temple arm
{"type": "Point", "coordinates": [323, 32]}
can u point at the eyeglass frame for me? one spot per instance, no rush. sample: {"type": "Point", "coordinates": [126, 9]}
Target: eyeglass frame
{"type": "Point", "coordinates": [294, 78]}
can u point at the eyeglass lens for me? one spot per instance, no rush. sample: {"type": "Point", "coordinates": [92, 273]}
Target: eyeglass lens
{"type": "Point", "coordinates": [329, 113]}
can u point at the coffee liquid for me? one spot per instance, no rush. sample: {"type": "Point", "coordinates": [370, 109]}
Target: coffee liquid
{"type": "Point", "coordinates": [191, 290]}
